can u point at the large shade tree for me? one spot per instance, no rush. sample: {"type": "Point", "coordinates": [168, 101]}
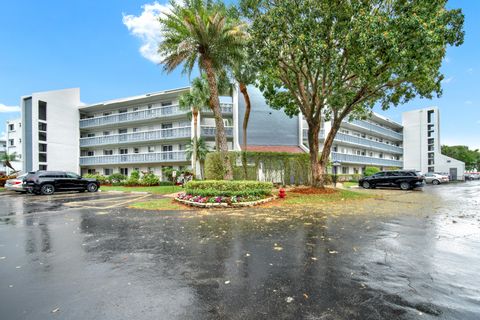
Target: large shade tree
{"type": "Point", "coordinates": [196, 100]}
{"type": "Point", "coordinates": [203, 33]}
{"type": "Point", "coordinates": [335, 60]}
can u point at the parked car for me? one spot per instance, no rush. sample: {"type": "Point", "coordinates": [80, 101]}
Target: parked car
{"type": "Point", "coordinates": [436, 178]}
{"type": "Point", "coordinates": [472, 176]}
{"type": "Point", "coordinates": [402, 179]}
{"type": "Point", "coordinates": [16, 184]}
{"type": "Point", "coordinates": [48, 182]}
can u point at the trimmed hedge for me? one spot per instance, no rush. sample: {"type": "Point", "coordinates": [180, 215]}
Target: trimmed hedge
{"type": "Point", "coordinates": [209, 188]}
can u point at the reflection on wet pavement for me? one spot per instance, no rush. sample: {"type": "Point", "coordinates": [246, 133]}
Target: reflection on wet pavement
{"type": "Point", "coordinates": [402, 256]}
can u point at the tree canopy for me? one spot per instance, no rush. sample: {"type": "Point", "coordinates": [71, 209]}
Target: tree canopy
{"type": "Point", "coordinates": [464, 154]}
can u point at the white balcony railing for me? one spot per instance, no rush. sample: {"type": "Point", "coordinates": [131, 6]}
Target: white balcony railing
{"type": "Point", "coordinates": [376, 128]}
{"type": "Point", "coordinates": [148, 114]}
{"type": "Point", "coordinates": [151, 157]}
{"type": "Point", "coordinates": [210, 131]}
{"type": "Point", "coordinates": [144, 136]}
{"type": "Point", "coordinates": [351, 158]}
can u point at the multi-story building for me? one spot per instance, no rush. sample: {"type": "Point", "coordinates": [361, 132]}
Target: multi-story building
{"type": "Point", "coordinates": [143, 133]}
{"type": "Point", "coordinates": [14, 143]}
{"type": "Point", "coordinates": [422, 144]}
{"type": "Point", "coordinates": [3, 150]}
{"type": "Point", "coordinates": [149, 132]}
{"type": "Point", "coordinates": [50, 132]}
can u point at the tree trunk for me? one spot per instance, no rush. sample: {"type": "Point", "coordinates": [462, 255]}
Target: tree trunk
{"type": "Point", "coordinates": [317, 169]}
{"type": "Point", "coordinates": [327, 146]}
{"type": "Point", "coordinates": [246, 97]}
{"type": "Point", "coordinates": [194, 153]}
{"type": "Point", "coordinates": [220, 137]}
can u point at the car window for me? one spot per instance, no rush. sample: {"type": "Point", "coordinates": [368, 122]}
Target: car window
{"type": "Point", "coordinates": [392, 174]}
{"type": "Point", "coordinates": [72, 175]}
{"type": "Point", "coordinates": [379, 174]}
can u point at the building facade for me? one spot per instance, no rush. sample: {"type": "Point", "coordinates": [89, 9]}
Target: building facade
{"type": "Point", "coordinates": [149, 132]}
{"type": "Point", "coordinates": [422, 144]}
{"type": "Point", "coordinates": [14, 143]}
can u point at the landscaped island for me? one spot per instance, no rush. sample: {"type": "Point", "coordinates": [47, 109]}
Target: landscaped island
{"type": "Point", "coordinates": [212, 193]}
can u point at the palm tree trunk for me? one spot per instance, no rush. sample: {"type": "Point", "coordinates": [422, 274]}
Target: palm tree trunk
{"type": "Point", "coordinates": [221, 139]}
{"type": "Point", "coordinates": [246, 97]}
{"type": "Point", "coordinates": [194, 153]}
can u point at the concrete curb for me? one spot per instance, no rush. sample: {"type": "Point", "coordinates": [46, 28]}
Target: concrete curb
{"type": "Point", "coordinates": [225, 205]}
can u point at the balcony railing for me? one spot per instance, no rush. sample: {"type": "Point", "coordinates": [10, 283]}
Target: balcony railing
{"type": "Point", "coordinates": [367, 143]}
{"type": "Point", "coordinates": [226, 108]}
{"type": "Point", "coordinates": [151, 157]}
{"type": "Point", "coordinates": [148, 114]}
{"type": "Point", "coordinates": [351, 158]}
{"type": "Point", "coordinates": [162, 134]}
{"type": "Point", "coordinates": [209, 131]}
{"type": "Point", "coordinates": [376, 128]}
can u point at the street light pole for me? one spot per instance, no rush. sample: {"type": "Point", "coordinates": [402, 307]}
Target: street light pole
{"type": "Point", "coordinates": [335, 164]}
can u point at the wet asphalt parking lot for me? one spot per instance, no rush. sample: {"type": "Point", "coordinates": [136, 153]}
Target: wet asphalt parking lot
{"type": "Point", "coordinates": [408, 255]}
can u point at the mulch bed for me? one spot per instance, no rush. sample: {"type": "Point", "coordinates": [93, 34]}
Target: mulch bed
{"type": "Point", "coordinates": [314, 190]}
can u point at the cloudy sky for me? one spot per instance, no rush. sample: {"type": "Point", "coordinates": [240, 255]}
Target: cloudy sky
{"type": "Point", "coordinates": [108, 49]}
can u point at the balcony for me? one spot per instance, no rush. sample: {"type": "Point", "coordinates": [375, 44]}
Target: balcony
{"type": "Point", "coordinates": [209, 131]}
{"type": "Point", "coordinates": [135, 158]}
{"type": "Point", "coordinates": [376, 129]}
{"type": "Point", "coordinates": [143, 115]}
{"type": "Point", "coordinates": [144, 136]}
{"type": "Point", "coordinates": [226, 108]}
{"type": "Point", "coordinates": [351, 158]}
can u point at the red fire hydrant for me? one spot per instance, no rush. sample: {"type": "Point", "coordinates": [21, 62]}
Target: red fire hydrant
{"type": "Point", "coordinates": [282, 193]}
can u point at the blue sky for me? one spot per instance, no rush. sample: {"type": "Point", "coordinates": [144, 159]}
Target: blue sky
{"type": "Point", "coordinates": [106, 49]}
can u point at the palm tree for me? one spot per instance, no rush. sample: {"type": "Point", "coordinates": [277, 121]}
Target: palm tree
{"type": "Point", "coordinates": [201, 150]}
{"type": "Point", "coordinates": [7, 160]}
{"type": "Point", "coordinates": [202, 32]}
{"type": "Point", "coordinates": [195, 100]}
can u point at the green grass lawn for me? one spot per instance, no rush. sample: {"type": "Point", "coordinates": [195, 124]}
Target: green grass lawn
{"type": "Point", "coordinates": [316, 199]}
{"type": "Point", "coordinates": [349, 184]}
{"type": "Point", "coordinates": [154, 190]}
{"type": "Point", "coordinates": [161, 204]}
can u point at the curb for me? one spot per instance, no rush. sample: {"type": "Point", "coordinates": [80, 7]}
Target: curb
{"type": "Point", "coordinates": [225, 205]}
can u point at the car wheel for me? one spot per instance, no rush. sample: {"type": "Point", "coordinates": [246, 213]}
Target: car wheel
{"type": "Point", "coordinates": [435, 182]}
{"type": "Point", "coordinates": [405, 186]}
{"type": "Point", "coordinates": [47, 189]}
{"type": "Point", "coordinates": [366, 185]}
{"type": "Point", "coordinates": [92, 187]}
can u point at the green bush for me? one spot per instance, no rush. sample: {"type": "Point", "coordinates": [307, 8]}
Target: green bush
{"type": "Point", "coordinates": [99, 177]}
{"type": "Point", "coordinates": [133, 180]}
{"type": "Point", "coordinates": [214, 169]}
{"type": "Point", "coordinates": [149, 179]}
{"type": "Point", "coordinates": [210, 188]}
{"type": "Point", "coordinates": [116, 178]}
{"type": "Point", "coordinates": [369, 171]}
{"type": "Point", "coordinates": [165, 183]}
{"type": "Point", "coordinates": [168, 172]}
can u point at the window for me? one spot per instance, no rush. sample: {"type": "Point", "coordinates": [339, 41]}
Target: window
{"type": "Point", "coordinates": [380, 155]}
{"type": "Point", "coordinates": [42, 157]}
{"type": "Point", "coordinates": [166, 103]}
{"type": "Point", "coordinates": [431, 169]}
{"type": "Point", "coordinates": [124, 171]}
{"type": "Point", "coordinates": [430, 116]}
{"type": "Point", "coordinates": [91, 171]}
{"type": "Point", "coordinates": [107, 113]}
{"type": "Point", "coordinates": [42, 136]}
{"type": "Point", "coordinates": [136, 150]}
{"type": "Point", "coordinates": [42, 110]}
{"type": "Point", "coordinates": [123, 110]}
{"type": "Point", "coordinates": [11, 142]}
{"type": "Point", "coordinates": [72, 175]}
{"type": "Point", "coordinates": [106, 133]}
{"type": "Point", "coordinates": [344, 170]}
{"type": "Point", "coordinates": [42, 147]}
{"type": "Point", "coordinates": [370, 154]}
{"type": "Point", "coordinates": [167, 148]}
{"type": "Point", "coordinates": [42, 167]}
{"type": "Point", "coordinates": [90, 153]}
{"type": "Point", "coordinates": [107, 171]}
{"type": "Point", "coordinates": [123, 151]}
{"type": "Point", "coordinates": [90, 135]}
{"type": "Point", "coordinates": [167, 126]}
{"type": "Point", "coordinates": [107, 152]}
{"type": "Point", "coordinates": [335, 148]}
{"type": "Point", "coordinates": [149, 107]}
{"type": "Point", "coordinates": [431, 148]}
{"type": "Point", "coordinates": [355, 170]}
{"type": "Point", "coordinates": [122, 131]}
{"type": "Point", "coordinates": [135, 109]}
{"type": "Point", "coordinates": [11, 127]}
{"type": "Point", "coordinates": [431, 162]}
{"type": "Point", "coordinates": [431, 141]}
{"type": "Point", "coordinates": [135, 130]}
{"type": "Point", "coordinates": [151, 148]}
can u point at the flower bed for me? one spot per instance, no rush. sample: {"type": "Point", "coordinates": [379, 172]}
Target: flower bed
{"type": "Point", "coordinates": [226, 193]}
{"type": "Point", "coordinates": [222, 201]}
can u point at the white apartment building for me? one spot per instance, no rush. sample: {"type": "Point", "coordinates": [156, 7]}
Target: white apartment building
{"type": "Point", "coordinates": [50, 130]}
{"type": "Point", "coordinates": [143, 133]}
{"type": "Point", "coordinates": [377, 141]}
{"type": "Point", "coordinates": [3, 150]}
{"type": "Point", "coordinates": [422, 144]}
{"type": "Point", "coordinates": [149, 132]}
{"type": "Point", "coordinates": [14, 143]}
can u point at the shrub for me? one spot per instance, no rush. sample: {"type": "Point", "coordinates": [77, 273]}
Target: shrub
{"type": "Point", "coordinates": [168, 172]}
{"type": "Point", "coordinates": [116, 178]}
{"type": "Point", "coordinates": [99, 177]}
{"type": "Point", "coordinates": [165, 183]}
{"type": "Point", "coordinates": [133, 179]}
{"type": "Point", "coordinates": [149, 179]}
{"type": "Point", "coordinates": [214, 169]}
{"type": "Point", "coordinates": [369, 171]}
{"type": "Point", "coordinates": [210, 188]}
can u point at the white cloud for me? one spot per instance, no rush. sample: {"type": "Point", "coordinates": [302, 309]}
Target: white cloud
{"type": "Point", "coordinates": [8, 109]}
{"type": "Point", "coordinates": [447, 80]}
{"type": "Point", "coordinates": [147, 28]}
{"type": "Point", "coordinates": [468, 102]}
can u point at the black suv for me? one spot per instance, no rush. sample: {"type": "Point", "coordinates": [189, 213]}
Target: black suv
{"type": "Point", "coordinates": [404, 180]}
{"type": "Point", "coordinates": [47, 182]}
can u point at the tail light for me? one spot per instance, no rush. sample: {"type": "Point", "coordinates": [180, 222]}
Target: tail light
{"type": "Point", "coordinates": [17, 182]}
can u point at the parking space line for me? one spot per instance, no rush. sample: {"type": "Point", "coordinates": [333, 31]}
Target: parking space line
{"type": "Point", "coordinates": [117, 202]}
